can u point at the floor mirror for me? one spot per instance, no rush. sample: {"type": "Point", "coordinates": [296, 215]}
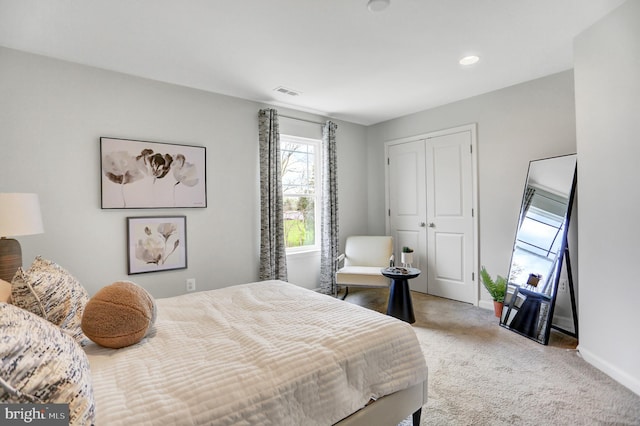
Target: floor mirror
{"type": "Point", "coordinates": [540, 249]}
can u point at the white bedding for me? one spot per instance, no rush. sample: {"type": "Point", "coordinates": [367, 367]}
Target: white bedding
{"type": "Point", "coordinates": [255, 354]}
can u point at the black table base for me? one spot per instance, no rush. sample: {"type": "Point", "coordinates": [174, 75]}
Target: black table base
{"type": "Point", "coordinates": [400, 305]}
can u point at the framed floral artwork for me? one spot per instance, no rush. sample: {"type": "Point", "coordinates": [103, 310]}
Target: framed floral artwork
{"type": "Point", "coordinates": [156, 243]}
{"type": "Point", "coordinates": [138, 174]}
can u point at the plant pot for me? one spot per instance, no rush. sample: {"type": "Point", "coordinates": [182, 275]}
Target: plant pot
{"type": "Point", "coordinates": [406, 258]}
{"type": "Point", "coordinates": [497, 308]}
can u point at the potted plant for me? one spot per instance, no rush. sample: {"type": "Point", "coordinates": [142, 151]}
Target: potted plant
{"type": "Point", "coordinates": [406, 257]}
{"type": "Point", "coordinates": [497, 289]}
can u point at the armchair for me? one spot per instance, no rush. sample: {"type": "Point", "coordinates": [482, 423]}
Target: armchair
{"type": "Point", "coordinates": [362, 260]}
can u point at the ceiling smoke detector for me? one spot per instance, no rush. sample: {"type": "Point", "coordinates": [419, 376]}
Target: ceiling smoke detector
{"type": "Point", "coordinates": [378, 5]}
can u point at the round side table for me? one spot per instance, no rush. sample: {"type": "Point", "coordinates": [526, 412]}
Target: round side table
{"type": "Point", "coordinates": [400, 305]}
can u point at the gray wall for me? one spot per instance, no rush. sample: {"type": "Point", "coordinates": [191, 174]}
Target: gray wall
{"type": "Point", "coordinates": [607, 70]}
{"type": "Point", "coordinates": [515, 125]}
{"type": "Point", "coordinates": [52, 114]}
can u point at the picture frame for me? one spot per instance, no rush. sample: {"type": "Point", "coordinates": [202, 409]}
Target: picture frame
{"type": "Point", "coordinates": [156, 243]}
{"type": "Point", "coordinates": [141, 175]}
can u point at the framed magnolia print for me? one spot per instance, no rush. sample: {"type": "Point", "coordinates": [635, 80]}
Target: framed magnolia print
{"type": "Point", "coordinates": [156, 243]}
{"type": "Point", "coordinates": [141, 175]}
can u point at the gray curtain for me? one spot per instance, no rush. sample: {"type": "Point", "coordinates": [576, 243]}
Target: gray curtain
{"type": "Point", "coordinates": [329, 224]}
{"type": "Point", "coordinates": [273, 256]}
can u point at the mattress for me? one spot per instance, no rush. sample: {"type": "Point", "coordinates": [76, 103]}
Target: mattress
{"type": "Point", "coordinates": [259, 353]}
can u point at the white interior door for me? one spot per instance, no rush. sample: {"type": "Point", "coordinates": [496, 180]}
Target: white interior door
{"type": "Point", "coordinates": [406, 197]}
{"type": "Point", "coordinates": [450, 222]}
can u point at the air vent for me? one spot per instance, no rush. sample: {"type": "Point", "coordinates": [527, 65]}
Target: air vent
{"type": "Point", "coordinates": [286, 91]}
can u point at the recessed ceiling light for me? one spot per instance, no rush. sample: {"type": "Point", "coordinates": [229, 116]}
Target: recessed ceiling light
{"type": "Point", "coordinates": [469, 60]}
{"type": "Point", "coordinates": [378, 5]}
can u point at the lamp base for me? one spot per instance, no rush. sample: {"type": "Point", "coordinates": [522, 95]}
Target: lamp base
{"type": "Point", "coordinates": [10, 258]}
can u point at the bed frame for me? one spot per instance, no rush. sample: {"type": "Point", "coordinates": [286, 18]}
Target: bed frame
{"type": "Point", "coordinates": [391, 409]}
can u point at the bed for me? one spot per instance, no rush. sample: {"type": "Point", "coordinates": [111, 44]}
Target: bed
{"type": "Point", "coordinates": [262, 353]}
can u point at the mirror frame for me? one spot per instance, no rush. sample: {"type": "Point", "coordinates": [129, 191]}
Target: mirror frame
{"type": "Point", "coordinates": [554, 280]}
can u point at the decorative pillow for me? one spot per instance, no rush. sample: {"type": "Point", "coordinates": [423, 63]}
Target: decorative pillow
{"type": "Point", "coordinates": [43, 365]}
{"type": "Point", "coordinates": [119, 315]}
{"type": "Point", "coordinates": [5, 291]}
{"type": "Point", "coordinates": [49, 291]}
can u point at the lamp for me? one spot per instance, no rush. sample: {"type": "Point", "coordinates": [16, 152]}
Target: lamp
{"type": "Point", "coordinates": [377, 5]}
{"type": "Point", "coordinates": [19, 215]}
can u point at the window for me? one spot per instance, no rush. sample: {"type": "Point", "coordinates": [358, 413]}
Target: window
{"type": "Point", "coordinates": [540, 232]}
{"type": "Point", "coordinates": [300, 161]}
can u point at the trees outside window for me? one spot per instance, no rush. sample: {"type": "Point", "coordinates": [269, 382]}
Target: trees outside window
{"type": "Point", "coordinates": [300, 162]}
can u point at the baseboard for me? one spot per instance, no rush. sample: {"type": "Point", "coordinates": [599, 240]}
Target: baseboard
{"type": "Point", "coordinates": [566, 323]}
{"type": "Point", "coordinates": [612, 371]}
{"type": "Point", "coordinates": [486, 304]}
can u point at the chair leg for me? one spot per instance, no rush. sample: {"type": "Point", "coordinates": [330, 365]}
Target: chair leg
{"type": "Point", "coordinates": [416, 417]}
{"type": "Point", "coordinates": [346, 292]}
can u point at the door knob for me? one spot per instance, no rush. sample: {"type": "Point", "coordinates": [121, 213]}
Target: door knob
{"type": "Point", "coordinates": [422, 224]}
{"type": "Point", "coordinates": [432, 225]}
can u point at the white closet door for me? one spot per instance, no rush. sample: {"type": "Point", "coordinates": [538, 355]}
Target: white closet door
{"type": "Point", "coordinates": [407, 205]}
{"type": "Point", "coordinates": [450, 224]}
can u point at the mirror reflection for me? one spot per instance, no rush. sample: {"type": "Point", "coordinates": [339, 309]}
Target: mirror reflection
{"type": "Point", "coordinates": [539, 247]}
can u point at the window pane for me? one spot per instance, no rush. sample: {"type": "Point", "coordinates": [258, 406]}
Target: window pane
{"type": "Point", "coordinates": [298, 168]}
{"type": "Point", "coordinates": [537, 237]}
{"type": "Point", "coordinates": [540, 233]}
{"type": "Point", "coordinates": [299, 221]}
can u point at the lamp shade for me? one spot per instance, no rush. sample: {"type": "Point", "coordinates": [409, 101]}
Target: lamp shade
{"type": "Point", "coordinates": [20, 214]}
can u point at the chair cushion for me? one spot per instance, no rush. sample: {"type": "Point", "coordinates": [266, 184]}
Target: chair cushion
{"type": "Point", "coordinates": [368, 251]}
{"type": "Point", "coordinates": [366, 276]}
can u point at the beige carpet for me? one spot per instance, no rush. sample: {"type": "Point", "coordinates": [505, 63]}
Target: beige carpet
{"type": "Point", "coordinates": [483, 374]}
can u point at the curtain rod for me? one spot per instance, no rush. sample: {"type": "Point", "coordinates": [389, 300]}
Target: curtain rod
{"type": "Point", "coordinates": [301, 119]}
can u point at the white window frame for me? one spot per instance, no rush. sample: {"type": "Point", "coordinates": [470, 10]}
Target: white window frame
{"type": "Point", "coordinates": [317, 144]}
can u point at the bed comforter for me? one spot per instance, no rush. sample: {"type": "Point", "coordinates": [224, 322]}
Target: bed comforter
{"type": "Point", "coordinates": [260, 353]}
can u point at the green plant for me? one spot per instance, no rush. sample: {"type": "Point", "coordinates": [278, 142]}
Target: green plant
{"type": "Point", "coordinates": [497, 289]}
{"type": "Point", "coordinates": [406, 249]}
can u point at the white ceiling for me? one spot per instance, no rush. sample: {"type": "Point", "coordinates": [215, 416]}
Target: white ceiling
{"type": "Point", "coordinates": [347, 62]}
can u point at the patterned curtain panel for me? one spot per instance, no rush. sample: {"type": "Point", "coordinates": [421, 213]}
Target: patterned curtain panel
{"type": "Point", "coordinates": [273, 256]}
{"type": "Point", "coordinates": [329, 224]}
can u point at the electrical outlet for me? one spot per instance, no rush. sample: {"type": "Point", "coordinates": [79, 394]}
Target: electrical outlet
{"type": "Point", "coordinates": [191, 284]}
{"type": "Point", "coordinates": [563, 286]}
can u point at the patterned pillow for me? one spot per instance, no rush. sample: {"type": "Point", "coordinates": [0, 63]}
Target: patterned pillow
{"type": "Point", "coordinates": [43, 365]}
{"type": "Point", "coordinates": [49, 291]}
